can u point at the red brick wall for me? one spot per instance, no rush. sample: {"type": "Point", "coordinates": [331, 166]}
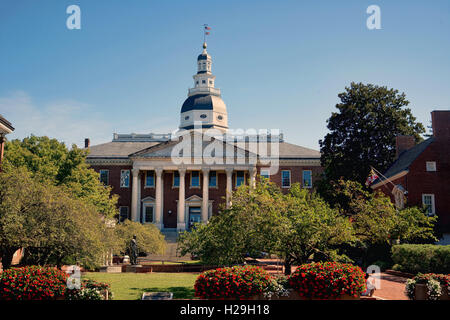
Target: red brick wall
{"type": "Point", "coordinates": [170, 193]}
{"type": "Point", "coordinates": [419, 181]}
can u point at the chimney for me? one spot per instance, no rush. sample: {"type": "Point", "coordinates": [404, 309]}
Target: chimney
{"type": "Point", "coordinates": [440, 121]}
{"type": "Point", "coordinates": [403, 143]}
{"type": "Point", "coordinates": [87, 143]}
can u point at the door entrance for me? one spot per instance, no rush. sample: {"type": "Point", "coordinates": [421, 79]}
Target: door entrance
{"type": "Point", "coordinates": [195, 216]}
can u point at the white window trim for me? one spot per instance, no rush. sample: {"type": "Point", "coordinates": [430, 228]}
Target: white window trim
{"type": "Point", "coordinates": [303, 179]}
{"type": "Point", "coordinates": [432, 164]}
{"type": "Point", "coordinates": [144, 206]}
{"type": "Point", "coordinates": [433, 206]}
{"type": "Point", "coordinates": [267, 171]}
{"type": "Point", "coordinates": [236, 178]}
{"type": "Point", "coordinates": [290, 179]}
{"type": "Point", "coordinates": [217, 180]}
{"type": "Point", "coordinates": [145, 181]}
{"type": "Point", "coordinates": [100, 172]}
{"type": "Point", "coordinates": [173, 180]}
{"type": "Point", "coordinates": [199, 182]}
{"type": "Point", "coordinates": [129, 177]}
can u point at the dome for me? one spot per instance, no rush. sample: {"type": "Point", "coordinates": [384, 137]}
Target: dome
{"type": "Point", "coordinates": [203, 56]}
{"type": "Point", "coordinates": [204, 102]}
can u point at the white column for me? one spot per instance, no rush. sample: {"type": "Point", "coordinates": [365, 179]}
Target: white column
{"type": "Point", "coordinates": [229, 172]}
{"type": "Point", "coordinates": [205, 199]}
{"type": "Point", "coordinates": [158, 195]}
{"type": "Point", "coordinates": [134, 195]}
{"type": "Point", "coordinates": [138, 213]}
{"type": "Point", "coordinates": [252, 173]}
{"type": "Point", "coordinates": [181, 224]}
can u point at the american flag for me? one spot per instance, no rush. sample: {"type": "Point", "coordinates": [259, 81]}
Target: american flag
{"type": "Point", "coordinates": [371, 178]}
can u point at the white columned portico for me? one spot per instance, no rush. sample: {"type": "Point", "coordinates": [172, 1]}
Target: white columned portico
{"type": "Point", "coordinates": [181, 223]}
{"type": "Point", "coordinates": [158, 196]}
{"type": "Point", "coordinates": [205, 198]}
{"type": "Point", "coordinates": [134, 195]}
{"type": "Point", "coordinates": [229, 172]}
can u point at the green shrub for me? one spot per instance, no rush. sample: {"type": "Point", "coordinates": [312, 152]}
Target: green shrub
{"type": "Point", "coordinates": [424, 258]}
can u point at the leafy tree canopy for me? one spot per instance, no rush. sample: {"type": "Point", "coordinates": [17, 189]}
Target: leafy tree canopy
{"type": "Point", "coordinates": [362, 132]}
{"type": "Point", "coordinates": [51, 162]}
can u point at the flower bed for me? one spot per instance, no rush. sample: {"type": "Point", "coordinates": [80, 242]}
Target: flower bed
{"type": "Point", "coordinates": [32, 283]}
{"type": "Point", "coordinates": [232, 283]}
{"type": "Point", "coordinates": [329, 280]}
{"type": "Point", "coordinates": [429, 286]}
{"type": "Point", "coordinates": [90, 290]}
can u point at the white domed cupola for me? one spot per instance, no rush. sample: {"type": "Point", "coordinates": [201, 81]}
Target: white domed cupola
{"type": "Point", "coordinates": [204, 104]}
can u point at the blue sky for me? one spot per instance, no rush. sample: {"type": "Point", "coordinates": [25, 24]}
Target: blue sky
{"type": "Point", "coordinates": [279, 64]}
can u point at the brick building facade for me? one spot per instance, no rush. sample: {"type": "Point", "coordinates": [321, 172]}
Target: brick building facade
{"type": "Point", "coordinates": [420, 176]}
{"type": "Point", "coordinates": [159, 180]}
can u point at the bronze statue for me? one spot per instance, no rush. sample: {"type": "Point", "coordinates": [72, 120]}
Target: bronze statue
{"type": "Point", "coordinates": [133, 251]}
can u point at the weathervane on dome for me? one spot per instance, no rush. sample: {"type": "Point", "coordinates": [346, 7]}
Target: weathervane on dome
{"type": "Point", "coordinates": [206, 33]}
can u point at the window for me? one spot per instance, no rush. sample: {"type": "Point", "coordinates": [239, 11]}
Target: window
{"type": "Point", "coordinates": [203, 81]}
{"type": "Point", "coordinates": [210, 82]}
{"type": "Point", "coordinates": [149, 179]}
{"type": "Point", "coordinates": [125, 178]}
{"type": "Point", "coordinates": [431, 165]}
{"type": "Point", "coordinates": [240, 178]}
{"type": "Point", "coordinates": [213, 179]}
{"type": "Point", "coordinates": [176, 179]}
{"type": "Point", "coordinates": [428, 202]}
{"type": "Point", "coordinates": [219, 118]}
{"type": "Point", "coordinates": [286, 178]}
{"type": "Point", "coordinates": [104, 177]}
{"type": "Point", "coordinates": [203, 116]}
{"type": "Point", "coordinates": [148, 214]}
{"type": "Point", "coordinates": [186, 118]}
{"type": "Point", "coordinates": [123, 214]}
{"type": "Point", "coordinates": [195, 179]}
{"type": "Point", "coordinates": [265, 173]}
{"type": "Point", "coordinates": [307, 179]}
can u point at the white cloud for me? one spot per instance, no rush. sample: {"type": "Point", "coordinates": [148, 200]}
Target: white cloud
{"type": "Point", "coordinates": [67, 120]}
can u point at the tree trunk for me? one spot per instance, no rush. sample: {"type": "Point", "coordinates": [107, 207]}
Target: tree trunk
{"type": "Point", "coordinates": [287, 267]}
{"type": "Point", "coordinates": [7, 257]}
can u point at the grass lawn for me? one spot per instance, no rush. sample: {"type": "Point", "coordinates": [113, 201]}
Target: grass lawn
{"type": "Point", "coordinates": [130, 286]}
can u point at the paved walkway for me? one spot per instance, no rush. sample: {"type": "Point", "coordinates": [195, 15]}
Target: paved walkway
{"type": "Point", "coordinates": [391, 287]}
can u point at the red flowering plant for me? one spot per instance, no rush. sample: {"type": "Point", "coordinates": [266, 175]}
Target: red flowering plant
{"type": "Point", "coordinates": [328, 280]}
{"type": "Point", "coordinates": [239, 282]}
{"type": "Point", "coordinates": [32, 283]}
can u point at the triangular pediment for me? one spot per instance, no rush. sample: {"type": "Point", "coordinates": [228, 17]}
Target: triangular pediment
{"type": "Point", "coordinates": [194, 198]}
{"type": "Point", "coordinates": [212, 147]}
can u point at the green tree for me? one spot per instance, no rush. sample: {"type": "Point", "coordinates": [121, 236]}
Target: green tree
{"type": "Point", "coordinates": [53, 163]}
{"type": "Point", "coordinates": [297, 227]}
{"type": "Point", "coordinates": [48, 222]}
{"type": "Point", "coordinates": [362, 132]}
{"type": "Point", "coordinates": [148, 237]}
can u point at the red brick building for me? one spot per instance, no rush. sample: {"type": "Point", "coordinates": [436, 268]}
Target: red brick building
{"type": "Point", "coordinates": [420, 176]}
{"type": "Point", "coordinates": [174, 181]}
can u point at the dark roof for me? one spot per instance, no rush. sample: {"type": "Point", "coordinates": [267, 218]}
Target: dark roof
{"type": "Point", "coordinates": [198, 102]}
{"type": "Point", "coordinates": [6, 123]}
{"type": "Point", "coordinates": [202, 57]}
{"type": "Point", "coordinates": [406, 158]}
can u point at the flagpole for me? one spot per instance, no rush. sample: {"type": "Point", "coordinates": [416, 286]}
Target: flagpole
{"type": "Point", "coordinates": [382, 176]}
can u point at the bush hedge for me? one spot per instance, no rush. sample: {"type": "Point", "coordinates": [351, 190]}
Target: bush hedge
{"type": "Point", "coordinates": [239, 282]}
{"type": "Point", "coordinates": [32, 283]}
{"type": "Point", "coordinates": [421, 258]}
{"type": "Point", "coordinates": [328, 280]}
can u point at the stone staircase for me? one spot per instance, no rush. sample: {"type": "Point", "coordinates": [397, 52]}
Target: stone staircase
{"type": "Point", "coordinates": [171, 236]}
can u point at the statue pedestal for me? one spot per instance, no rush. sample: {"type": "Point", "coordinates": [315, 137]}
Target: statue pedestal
{"type": "Point", "coordinates": [133, 268]}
